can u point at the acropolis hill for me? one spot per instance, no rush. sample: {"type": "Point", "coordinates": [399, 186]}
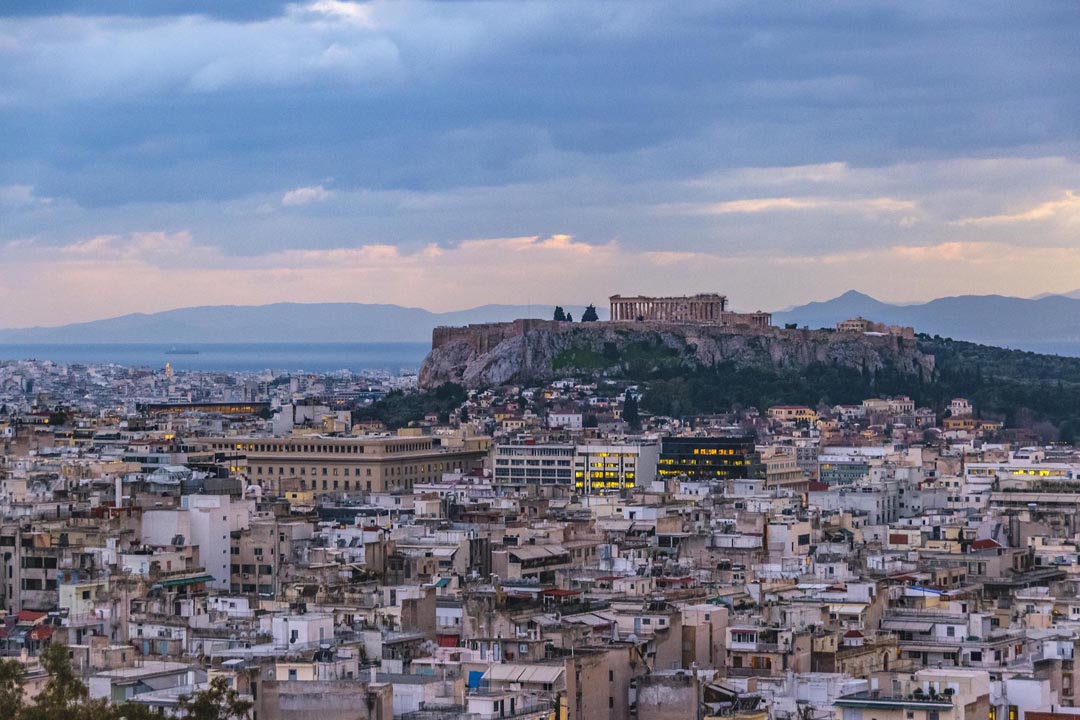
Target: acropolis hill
{"type": "Point", "coordinates": [536, 351]}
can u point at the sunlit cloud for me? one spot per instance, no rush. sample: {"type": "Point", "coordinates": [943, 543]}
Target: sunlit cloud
{"type": "Point", "coordinates": [306, 196]}
{"type": "Point", "coordinates": [92, 277]}
{"type": "Point", "coordinates": [1067, 206]}
{"type": "Point", "coordinates": [785, 204]}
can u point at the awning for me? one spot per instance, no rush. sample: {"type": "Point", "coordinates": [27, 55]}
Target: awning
{"type": "Point", "coordinates": [161, 682]}
{"type": "Point", "coordinates": [523, 673]}
{"type": "Point", "coordinates": [847, 609]}
{"type": "Point", "coordinates": [190, 580]}
{"type": "Point", "coordinates": [908, 625]}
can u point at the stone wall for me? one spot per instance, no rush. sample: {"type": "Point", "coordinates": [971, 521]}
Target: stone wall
{"type": "Point", "coordinates": [324, 700]}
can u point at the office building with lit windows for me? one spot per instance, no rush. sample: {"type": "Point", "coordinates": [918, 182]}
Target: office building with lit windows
{"type": "Point", "coordinates": [610, 468]}
{"type": "Point", "coordinates": [587, 468]}
{"type": "Point", "coordinates": [709, 458]}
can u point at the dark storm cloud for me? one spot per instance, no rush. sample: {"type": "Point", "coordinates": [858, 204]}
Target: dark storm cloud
{"type": "Point", "coordinates": [438, 122]}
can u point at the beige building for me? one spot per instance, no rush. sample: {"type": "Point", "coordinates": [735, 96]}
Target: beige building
{"type": "Point", "coordinates": [862, 325]}
{"type": "Point", "coordinates": [945, 694]}
{"type": "Point", "coordinates": [260, 553]}
{"type": "Point", "coordinates": [351, 465]}
{"type": "Point", "coordinates": [793, 413]}
{"type": "Point", "coordinates": [702, 308]}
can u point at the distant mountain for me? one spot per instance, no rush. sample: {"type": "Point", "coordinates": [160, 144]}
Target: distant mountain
{"type": "Point", "coordinates": [281, 322]}
{"type": "Point", "coordinates": [1074, 294]}
{"type": "Point", "coordinates": [1050, 324]}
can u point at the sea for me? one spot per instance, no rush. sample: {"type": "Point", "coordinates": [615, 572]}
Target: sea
{"type": "Point", "coordinates": [396, 358]}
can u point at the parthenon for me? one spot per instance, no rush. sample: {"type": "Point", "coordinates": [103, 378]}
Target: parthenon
{"type": "Point", "coordinates": [702, 308]}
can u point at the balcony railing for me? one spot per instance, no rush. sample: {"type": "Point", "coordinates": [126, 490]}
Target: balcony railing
{"type": "Point", "coordinates": [763, 647]}
{"type": "Point", "coordinates": [750, 672]}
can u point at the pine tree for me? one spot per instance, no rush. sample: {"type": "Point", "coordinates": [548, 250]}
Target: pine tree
{"type": "Point", "coordinates": [590, 314]}
{"type": "Point", "coordinates": [560, 314]}
{"type": "Point", "coordinates": [630, 410]}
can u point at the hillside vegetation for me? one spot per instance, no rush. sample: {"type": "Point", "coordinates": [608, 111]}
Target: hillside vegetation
{"type": "Point", "coordinates": [1022, 388]}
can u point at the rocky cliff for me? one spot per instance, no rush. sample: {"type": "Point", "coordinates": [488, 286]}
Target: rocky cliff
{"type": "Point", "coordinates": [536, 351]}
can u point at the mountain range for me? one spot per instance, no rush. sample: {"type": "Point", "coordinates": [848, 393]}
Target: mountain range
{"type": "Point", "coordinates": [279, 322]}
{"type": "Point", "coordinates": [1048, 323]}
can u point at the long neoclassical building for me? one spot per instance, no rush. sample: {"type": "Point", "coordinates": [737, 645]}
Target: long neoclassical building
{"type": "Point", "coordinates": [703, 308]}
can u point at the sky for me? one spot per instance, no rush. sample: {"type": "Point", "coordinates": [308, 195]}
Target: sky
{"type": "Point", "coordinates": [447, 154]}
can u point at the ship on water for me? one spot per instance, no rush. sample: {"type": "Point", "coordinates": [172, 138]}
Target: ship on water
{"type": "Point", "coordinates": [181, 351]}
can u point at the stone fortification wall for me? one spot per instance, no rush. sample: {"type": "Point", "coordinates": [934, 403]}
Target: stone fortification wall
{"type": "Point", "coordinates": [533, 351]}
{"type": "Point", "coordinates": [483, 337]}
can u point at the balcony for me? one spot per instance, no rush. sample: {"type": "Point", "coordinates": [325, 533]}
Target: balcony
{"type": "Point", "coordinates": [751, 672]}
{"type": "Point", "coordinates": [762, 647]}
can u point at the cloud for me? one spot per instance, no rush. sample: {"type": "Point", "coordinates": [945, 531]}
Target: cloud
{"type": "Point", "coordinates": [785, 204]}
{"type": "Point", "coordinates": [306, 196]}
{"type": "Point", "coordinates": [20, 196]}
{"type": "Point", "coordinates": [96, 276]}
{"type": "Point", "coordinates": [1067, 206]}
{"type": "Point", "coordinates": [352, 12]}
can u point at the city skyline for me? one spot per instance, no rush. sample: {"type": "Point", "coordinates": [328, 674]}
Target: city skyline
{"type": "Point", "coordinates": [450, 155]}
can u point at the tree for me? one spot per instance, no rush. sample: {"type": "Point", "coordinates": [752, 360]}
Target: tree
{"type": "Point", "coordinates": [218, 702]}
{"type": "Point", "coordinates": [590, 314]}
{"type": "Point", "coordinates": [63, 691]}
{"type": "Point", "coordinates": [630, 410]}
{"type": "Point", "coordinates": [560, 314]}
{"type": "Point", "coordinates": [11, 693]}
{"type": "Point", "coordinates": [569, 317]}
{"type": "Point", "coordinates": [64, 695]}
